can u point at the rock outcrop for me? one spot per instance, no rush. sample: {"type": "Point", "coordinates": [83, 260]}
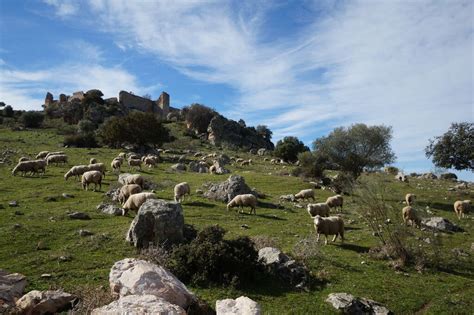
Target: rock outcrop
{"type": "Point", "coordinates": [12, 286]}
{"type": "Point", "coordinates": [348, 304]}
{"type": "Point", "coordinates": [45, 302]}
{"type": "Point", "coordinates": [241, 305]}
{"type": "Point", "coordinates": [109, 208]}
{"type": "Point", "coordinates": [227, 190]}
{"type": "Point", "coordinates": [158, 222]}
{"type": "Point", "coordinates": [138, 305]}
{"type": "Point", "coordinates": [440, 224]}
{"type": "Point", "coordinates": [131, 276]}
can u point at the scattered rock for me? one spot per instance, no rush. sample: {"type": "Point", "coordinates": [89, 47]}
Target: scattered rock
{"type": "Point", "coordinates": [67, 196]}
{"type": "Point", "coordinates": [459, 252]}
{"type": "Point", "coordinates": [11, 288]}
{"type": "Point", "coordinates": [158, 222]}
{"type": "Point", "coordinates": [131, 276]}
{"type": "Point", "coordinates": [109, 208]}
{"type": "Point", "coordinates": [219, 168]}
{"type": "Point", "coordinates": [283, 267]}
{"type": "Point", "coordinates": [45, 302]}
{"type": "Point", "coordinates": [113, 194]}
{"type": "Point", "coordinates": [85, 233]}
{"type": "Point", "coordinates": [448, 176]}
{"type": "Point", "coordinates": [17, 226]}
{"type": "Point", "coordinates": [462, 186]}
{"type": "Point", "coordinates": [428, 176]}
{"type": "Point", "coordinates": [227, 190]}
{"type": "Point", "coordinates": [46, 276]}
{"type": "Point", "coordinates": [121, 178]}
{"type": "Point", "coordinates": [348, 304]}
{"type": "Point", "coordinates": [245, 226]}
{"type": "Point", "coordinates": [41, 246]}
{"type": "Point", "coordinates": [64, 258]}
{"type": "Point", "coordinates": [140, 304]}
{"type": "Point", "coordinates": [79, 216]}
{"type": "Point", "coordinates": [178, 167]}
{"type": "Point", "coordinates": [199, 191]}
{"type": "Point", "coordinates": [198, 167]}
{"type": "Point", "coordinates": [441, 224]}
{"type": "Point", "coordinates": [427, 240]}
{"type": "Point", "coordinates": [287, 198]}
{"type": "Point", "coordinates": [451, 189]}
{"type": "Point", "coordinates": [388, 221]}
{"type": "Point", "coordinates": [13, 203]}
{"type": "Point", "coordinates": [241, 305]}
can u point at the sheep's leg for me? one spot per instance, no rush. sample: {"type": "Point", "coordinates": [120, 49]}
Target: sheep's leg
{"type": "Point", "coordinates": [326, 239]}
{"type": "Point", "coordinates": [317, 239]}
{"type": "Point", "coordinates": [334, 238]}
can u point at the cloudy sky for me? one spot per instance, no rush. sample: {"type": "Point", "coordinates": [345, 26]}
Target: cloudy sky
{"type": "Point", "coordinates": [300, 67]}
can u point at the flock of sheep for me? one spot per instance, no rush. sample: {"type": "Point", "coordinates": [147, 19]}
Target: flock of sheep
{"type": "Point", "coordinates": [131, 194]}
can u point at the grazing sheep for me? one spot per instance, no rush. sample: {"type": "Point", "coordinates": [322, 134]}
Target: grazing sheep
{"type": "Point", "coordinates": [305, 194]}
{"type": "Point", "coordinates": [128, 190]}
{"type": "Point", "coordinates": [329, 226]}
{"type": "Point", "coordinates": [266, 159]}
{"type": "Point", "coordinates": [410, 199]}
{"type": "Point", "coordinates": [239, 160]}
{"type": "Point", "coordinates": [76, 171]}
{"type": "Point", "coordinates": [116, 164]}
{"type": "Point", "coordinates": [246, 200]}
{"type": "Point", "coordinates": [54, 153]}
{"type": "Point", "coordinates": [213, 169]}
{"type": "Point", "coordinates": [462, 207]}
{"type": "Point", "coordinates": [42, 154]}
{"type": "Point", "coordinates": [150, 161]}
{"type": "Point", "coordinates": [335, 201]}
{"type": "Point", "coordinates": [56, 158]}
{"type": "Point", "coordinates": [33, 167]}
{"type": "Point", "coordinates": [287, 198]}
{"type": "Point", "coordinates": [98, 167]}
{"type": "Point", "coordinates": [321, 209]}
{"type": "Point", "coordinates": [133, 156]}
{"type": "Point", "coordinates": [135, 201]}
{"type": "Point", "coordinates": [180, 190]}
{"type": "Point", "coordinates": [247, 162]}
{"type": "Point", "coordinates": [23, 159]}
{"type": "Point", "coordinates": [135, 179]}
{"type": "Point", "coordinates": [93, 161]}
{"type": "Point", "coordinates": [123, 155]}
{"type": "Point", "coordinates": [90, 177]}
{"type": "Point", "coordinates": [135, 162]}
{"type": "Point", "coordinates": [409, 214]}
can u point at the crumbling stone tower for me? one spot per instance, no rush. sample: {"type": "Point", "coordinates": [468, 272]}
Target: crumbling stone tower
{"type": "Point", "coordinates": [164, 103]}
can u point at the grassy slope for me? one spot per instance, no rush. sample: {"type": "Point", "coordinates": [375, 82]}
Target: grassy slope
{"type": "Point", "coordinates": [431, 292]}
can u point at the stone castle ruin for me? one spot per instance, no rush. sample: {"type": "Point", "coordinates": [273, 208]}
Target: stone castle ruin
{"type": "Point", "coordinates": [128, 100]}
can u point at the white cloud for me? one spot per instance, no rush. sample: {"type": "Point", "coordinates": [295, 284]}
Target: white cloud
{"type": "Point", "coordinates": [63, 8]}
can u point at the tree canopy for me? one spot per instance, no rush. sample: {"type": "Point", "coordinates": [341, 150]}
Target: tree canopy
{"type": "Point", "coordinates": [453, 149]}
{"type": "Point", "coordinates": [288, 149]}
{"type": "Point", "coordinates": [356, 147]}
{"type": "Point", "coordinates": [198, 117]}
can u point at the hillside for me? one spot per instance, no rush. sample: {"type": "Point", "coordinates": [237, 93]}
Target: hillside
{"type": "Point", "coordinates": [42, 216]}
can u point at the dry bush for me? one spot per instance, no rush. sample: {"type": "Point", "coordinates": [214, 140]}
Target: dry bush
{"type": "Point", "coordinates": [156, 254]}
{"type": "Point", "coordinates": [262, 241]}
{"type": "Point", "coordinates": [91, 298]}
{"type": "Point", "coordinates": [306, 249]}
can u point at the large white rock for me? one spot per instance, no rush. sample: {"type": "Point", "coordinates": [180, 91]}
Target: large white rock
{"type": "Point", "coordinates": [139, 304]}
{"type": "Point", "coordinates": [11, 287]}
{"type": "Point", "coordinates": [240, 306]}
{"type": "Point", "coordinates": [138, 277]}
{"type": "Point", "coordinates": [348, 304]}
{"type": "Point", "coordinates": [45, 302]}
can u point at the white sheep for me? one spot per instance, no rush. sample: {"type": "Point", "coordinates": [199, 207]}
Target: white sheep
{"type": "Point", "coordinates": [212, 169]}
{"type": "Point", "coordinates": [246, 162]}
{"type": "Point", "coordinates": [245, 200]}
{"type": "Point", "coordinates": [76, 171]}
{"type": "Point", "coordinates": [135, 162]}
{"type": "Point", "coordinates": [92, 161]}
{"type": "Point", "coordinates": [128, 190]}
{"type": "Point", "coordinates": [116, 164]}
{"type": "Point", "coordinates": [123, 155]}
{"type": "Point", "coordinates": [29, 166]}
{"type": "Point", "coordinates": [335, 201]}
{"type": "Point", "coordinates": [329, 226]}
{"type": "Point", "coordinates": [305, 194]}
{"type": "Point", "coordinates": [135, 201]}
{"type": "Point", "coordinates": [410, 199]}
{"type": "Point", "coordinates": [56, 158]}
{"type": "Point", "coordinates": [239, 160]}
{"type": "Point", "coordinates": [410, 214]}
{"type": "Point", "coordinates": [98, 167]}
{"type": "Point", "coordinates": [54, 153]}
{"type": "Point", "coordinates": [149, 161]}
{"type": "Point", "coordinates": [134, 179]}
{"type": "Point", "coordinates": [90, 177]}
{"type": "Point", "coordinates": [321, 209]}
{"type": "Point", "coordinates": [23, 159]}
{"type": "Point", "coordinates": [133, 156]}
{"type": "Point", "coordinates": [42, 154]}
{"type": "Point", "coordinates": [180, 190]}
{"type": "Point", "coordinates": [462, 207]}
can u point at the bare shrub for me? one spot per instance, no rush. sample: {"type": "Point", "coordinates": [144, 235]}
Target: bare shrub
{"type": "Point", "coordinates": [262, 241]}
{"type": "Point", "coordinates": [307, 249]}
{"type": "Point", "coordinates": [156, 254]}
{"type": "Point", "coordinates": [90, 298]}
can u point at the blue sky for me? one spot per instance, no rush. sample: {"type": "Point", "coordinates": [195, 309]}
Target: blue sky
{"type": "Point", "coordinates": [300, 67]}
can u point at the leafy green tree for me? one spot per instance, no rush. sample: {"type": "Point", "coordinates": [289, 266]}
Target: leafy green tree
{"type": "Point", "coordinates": [198, 117]}
{"type": "Point", "coordinates": [32, 119]}
{"type": "Point", "coordinates": [288, 149]}
{"type": "Point", "coordinates": [311, 165]}
{"type": "Point", "coordinates": [263, 131]}
{"type": "Point", "coordinates": [357, 147]}
{"type": "Point", "coordinates": [136, 128]}
{"type": "Point", "coordinates": [455, 148]}
{"type": "Point", "coordinates": [8, 111]}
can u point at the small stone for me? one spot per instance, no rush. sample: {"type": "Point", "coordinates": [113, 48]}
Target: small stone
{"type": "Point", "coordinates": [17, 226]}
{"type": "Point", "coordinates": [427, 240]}
{"type": "Point", "coordinates": [199, 191]}
{"type": "Point", "coordinates": [79, 216]}
{"type": "Point", "coordinates": [363, 262]}
{"type": "Point", "coordinates": [46, 276]}
{"type": "Point", "coordinates": [67, 195]}
{"type": "Point", "coordinates": [64, 258]}
{"type": "Point", "coordinates": [299, 206]}
{"type": "Point", "coordinates": [388, 221]}
{"type": "Point", "coordinates": [427, 207]}
{"type": "Point", "coordinates": [451, 189]}
{"type": "Point", "coordinates": [244, 226]}
{"type": "Point", "coordinates": [13, 203]}
{"type": "Point", "coordinates": [85, 233]}
{"type": "Point", "coordinates": [41, 246]}
{"type": "Point", "coordinates": [52, 219]}
{"type": "Point", "coordinates": [19, 212]}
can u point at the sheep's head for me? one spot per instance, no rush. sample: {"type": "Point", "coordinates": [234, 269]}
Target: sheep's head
{"type": "Point", "coordinates": [317, 220]}
{"type": "Point", "coordinates": [66, 176]}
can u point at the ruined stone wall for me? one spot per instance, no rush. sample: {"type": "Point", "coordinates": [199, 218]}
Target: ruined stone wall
{"type": "Point", "coordinates": [132, 101]}
{"type": "Point", "coordinates": [164, 103]}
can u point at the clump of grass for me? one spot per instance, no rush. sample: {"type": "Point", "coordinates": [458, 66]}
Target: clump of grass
{"type": "Point", "coordinates": [91, 297]}
{"type": "Point", "coordinates": [262, 241]}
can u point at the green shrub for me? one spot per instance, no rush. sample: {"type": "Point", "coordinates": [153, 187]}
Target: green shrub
{"type": "Point", "coordinates": [209, 259]}
{"type": "Point", "coordinates": [32, 119]}
{"type": "Point", "coordinates": [311, 165]}
{"type": "Point", "coordinates": [288, 149]}
{"type": "Point", "coordinates": [392, 170]}
{"type": "Point", "coordinates": [81, 141]}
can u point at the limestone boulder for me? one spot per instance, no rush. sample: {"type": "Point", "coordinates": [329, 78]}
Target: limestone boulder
{"type": "Point", "coordinates": [179, 167]}
{"type": "Point", "coordinates": [227, 190]}
{"type": "Point", "coordinates": [138, 305]}
{"type": "Point", "coordinates": [131, 276]}
{"type": "Point", "coordinates": [241, 305]}
{"type": "Point", "coordinates": [448, 176]}
{"type": "Point", "coordinates": [109, 208]}
{"type": "Point", "coordinates": [45, 302]}
{"type": "Point", "coordinates": [157, 222]}
{"type": "Point", "coordinates": [441, 224]}
{"type": "Point", "coordinates": [348, 304]}
{"type": "Point", "coordinates": [12, 286]}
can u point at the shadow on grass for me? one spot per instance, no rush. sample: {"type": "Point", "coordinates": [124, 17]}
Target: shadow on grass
{"type": "Point", "coordinates": [435, 205]}
{"type": "Point", "coordinates": [355, 248]}
{"type": "Point", "coordinates": [350, 228]}
{"type": "Point", "coordinates": [272, 217]}
{"type": "Point", "coordinates": [200, 204]}
{"type": "Point", "coordinates": [267, 205]}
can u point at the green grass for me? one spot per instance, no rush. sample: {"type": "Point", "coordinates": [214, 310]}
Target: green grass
{"type": "Point", "coordinates": [432, 292]}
